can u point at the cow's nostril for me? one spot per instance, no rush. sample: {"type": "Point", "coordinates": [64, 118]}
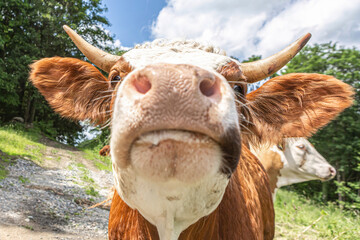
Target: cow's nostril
{"type": "Point", "coordinates": [332, 171]}
{"type": "Point", "coordinates": [208, 87]}
{"type": "Point", "coordinates": [142, 84]}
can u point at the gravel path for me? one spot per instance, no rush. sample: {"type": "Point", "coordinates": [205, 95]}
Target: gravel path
{"type": "Point", "coordinates": [39, 203]}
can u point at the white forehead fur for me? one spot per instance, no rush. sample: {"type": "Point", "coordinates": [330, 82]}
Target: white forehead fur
{"type": "Point", "coordinates": [181, 44]}
{"type": "Point", "coordinates": [177, 52]}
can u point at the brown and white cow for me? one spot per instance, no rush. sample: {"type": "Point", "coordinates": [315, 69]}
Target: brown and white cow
{"type": "Point", "coordinates": [180, 168]}
{"type": "Point", "coordinates": [294, 160]}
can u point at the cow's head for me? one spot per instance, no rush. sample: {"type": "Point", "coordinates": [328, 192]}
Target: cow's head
{"type": "Point", "coordinates": [302, 162]}
{"type": "Point", "coordinates": [176, 119]}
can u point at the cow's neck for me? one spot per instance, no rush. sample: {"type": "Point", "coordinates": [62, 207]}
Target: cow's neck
{"type": "Point", "coordinates": [172, 206]}
{"type": "Point", "coordinates": [245, 212]}
{"type": "Point", "coordinates": [273, 162]}
{"type": "Point", "coordinates": [127, 223]}
{"type": "Point", "coordinates": [290, 176]}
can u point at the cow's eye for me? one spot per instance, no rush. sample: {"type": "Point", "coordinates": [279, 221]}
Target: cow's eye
{"type": "Point", "coordinates": [239, 89]}
{"type": "Point", "coordinates": [301, 146]}
{"type": "Point", "coordinates": [116, 78]}
{"type": "Point", "coordinates": [280, 146]}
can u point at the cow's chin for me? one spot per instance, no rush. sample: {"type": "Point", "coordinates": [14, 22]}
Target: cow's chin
{"type": "Point", "coordinates": [173, 179]}
{"type": "Point", "coordinates": [175, 155]}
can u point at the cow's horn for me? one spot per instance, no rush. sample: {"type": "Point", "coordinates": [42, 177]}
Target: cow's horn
{"type": "Point", "coordinates": [258, 70]}
{"type": "Point", "coordinates": [97, 56]}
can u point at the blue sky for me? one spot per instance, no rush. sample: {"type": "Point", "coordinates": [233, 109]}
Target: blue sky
{"type": "Point", "coordinates": [241, 27]}
{"type": "Point", "coordinates": [131, 19]}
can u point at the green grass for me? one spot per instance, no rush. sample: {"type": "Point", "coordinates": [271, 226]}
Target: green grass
{"type": "Point", "coordinates": [28, 227]}
{"type": "Point", "coordinates": [16, 141]}
{"type": "Point", "coordinates": [23, 179]}
{"type": "Point", "coordinates": [90, 184]}
{"type": "Point", "coordinates": [5, 160]}
{"type": "Point", "coordinates": [3, 172]}
{"type": "Point", "coordinates": [54, 151]}
{"type": "Point", "coordinates": [92, 192]}
{"type": "Point", "coordinates": [300, 218]}
{"type": "Point", "coordinates": [84, 173]}
{"type": "Point", "coordinates": [101, 163]}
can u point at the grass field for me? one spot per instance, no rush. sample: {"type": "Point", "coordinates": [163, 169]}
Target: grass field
{"type": "Point", "coordinates": [16, 141]}
{"type": "Point", "coordinates": [301, 218]}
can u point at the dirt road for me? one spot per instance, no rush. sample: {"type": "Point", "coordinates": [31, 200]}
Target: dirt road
{"type": "Point", "coordinates": [52, 201]}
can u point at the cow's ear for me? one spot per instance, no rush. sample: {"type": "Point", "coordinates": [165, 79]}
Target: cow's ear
{"type": "Point", "coordinates": [74, 88]}
{"type": "Point", "coordinates": [294, 105]}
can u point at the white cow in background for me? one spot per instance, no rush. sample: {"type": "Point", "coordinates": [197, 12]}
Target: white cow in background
{"type": "Point", "coordinates": [294, 160]}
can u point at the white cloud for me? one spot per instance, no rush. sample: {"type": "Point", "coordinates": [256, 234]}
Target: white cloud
{"type": "Point", "coordinates": [118, 44]}
{"type": "Point", "coordinates": [261, 27]}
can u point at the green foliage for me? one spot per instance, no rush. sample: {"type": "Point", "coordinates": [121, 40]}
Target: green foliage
{"type": "Point", "coordinates": [298, 217]}
{"type": "Point", "coordinates": [252, 58]}
{"type": "Point", "coordinates": [102, 138]}
{"type": "Point", "coordinates": [31, 30]}
{"type": "Point", "coordinates": [339, 141]}
{"type": "Point", "coordinates": [349, 190]}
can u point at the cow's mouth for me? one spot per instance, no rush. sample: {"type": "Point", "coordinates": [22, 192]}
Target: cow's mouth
{"type": "Point", "coordinates": [176, 154]}
{"type": "Point", "coordinates": [327, 178]}
{"type": "Point", "coordinates": [156, 137]}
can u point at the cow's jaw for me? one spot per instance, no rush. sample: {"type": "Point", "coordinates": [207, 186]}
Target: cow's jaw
{"type": "Point", "coordinates": [173, 180]}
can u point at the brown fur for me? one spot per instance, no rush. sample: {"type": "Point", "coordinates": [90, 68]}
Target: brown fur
{"type": "Point", "coordinates": [232, 72]}
{"type": "Point", "coordinates": [294, 105]}
{"type": "Point", "coordinates": [272, 164]}
{"type": "Point", "coordinates": [121, 68]}
{"type": "Point", "coordinates": [246, 211]}
{"type": "Point", "coordinates": [74, 88]}
{"type": "Point", "coordinates": [105, 151]}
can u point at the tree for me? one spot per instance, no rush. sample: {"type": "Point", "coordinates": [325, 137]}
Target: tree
{"type": "Point", "coordinates": [30, 30]}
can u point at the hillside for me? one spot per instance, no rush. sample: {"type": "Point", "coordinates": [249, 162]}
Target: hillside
{"type": "Point", "coordinates": [46, 189]}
